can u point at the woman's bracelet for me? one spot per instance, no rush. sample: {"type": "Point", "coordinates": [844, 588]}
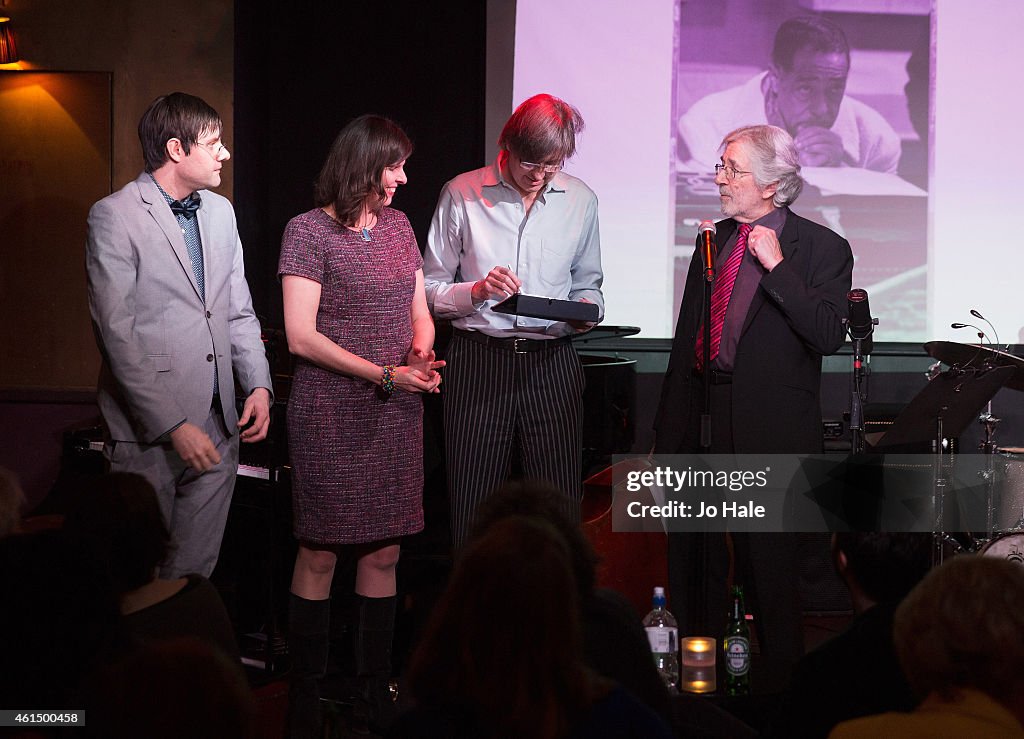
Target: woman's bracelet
{"type": "Point", "coordinates": [387, 379]}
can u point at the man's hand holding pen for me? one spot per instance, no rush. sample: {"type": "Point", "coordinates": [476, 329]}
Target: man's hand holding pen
{"type": "Point", "coordinates": [500, 282]}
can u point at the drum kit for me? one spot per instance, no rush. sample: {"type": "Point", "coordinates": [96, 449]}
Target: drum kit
{"type": "Point", "coordinates": [1003, 471]}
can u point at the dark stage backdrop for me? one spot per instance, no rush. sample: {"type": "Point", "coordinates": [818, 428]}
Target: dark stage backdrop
{"type": "Point", "coordinates": [303, 72]}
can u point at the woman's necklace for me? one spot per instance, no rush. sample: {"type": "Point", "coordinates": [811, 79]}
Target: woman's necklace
{"type": "Point", "coordinates": [365, 229]}
{"type": "Point", "coordinates": [370, 220]}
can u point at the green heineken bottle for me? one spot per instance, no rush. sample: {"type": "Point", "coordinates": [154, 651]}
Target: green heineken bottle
{"type": "Point", "coordinates": [736, 647]}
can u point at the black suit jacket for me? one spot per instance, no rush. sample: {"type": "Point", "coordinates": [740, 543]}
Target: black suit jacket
{"type": "Point", "coordinates": [794, 319]}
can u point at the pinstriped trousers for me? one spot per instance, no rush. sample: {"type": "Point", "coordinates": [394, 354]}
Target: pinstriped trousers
{"type": "Point", "coordinates": [497, 401]}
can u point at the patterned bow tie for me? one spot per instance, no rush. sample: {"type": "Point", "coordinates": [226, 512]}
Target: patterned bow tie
{"type": "Point", "coordinates": [186, 207]}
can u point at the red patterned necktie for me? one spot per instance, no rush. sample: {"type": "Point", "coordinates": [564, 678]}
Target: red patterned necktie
{"type": "Point", "coordinates": [720, 295]}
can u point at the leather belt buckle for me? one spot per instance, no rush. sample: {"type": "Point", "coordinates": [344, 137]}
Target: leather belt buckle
{"type": "Point", "coordinates": [515, 345]}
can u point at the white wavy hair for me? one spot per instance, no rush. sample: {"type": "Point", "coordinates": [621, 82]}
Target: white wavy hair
{"type": "Point", "coordinates": [773, 160]}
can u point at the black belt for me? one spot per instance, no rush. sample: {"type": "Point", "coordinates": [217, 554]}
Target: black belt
{"type": "Point", "coordinates": [511, 344]}
{"type": "Point", "coordinates": [718, 377]}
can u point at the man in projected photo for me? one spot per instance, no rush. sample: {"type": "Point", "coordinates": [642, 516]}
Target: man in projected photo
{"type": "Point", "coordinates": [777, 306]}
{"type": "Point", "coordinates": [804, 92]}
{"type": "Point", "coordinates": [514, 385]}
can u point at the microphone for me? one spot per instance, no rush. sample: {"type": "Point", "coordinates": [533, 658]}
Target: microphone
{"type": "Point", "coordinates": [859, 322]}
{"type": "Point", "coordinates": [706, 243]}
{"type": "Point", "coordinates": [981, 334]}
{"type": "Point", "coordinates": [976, 314]}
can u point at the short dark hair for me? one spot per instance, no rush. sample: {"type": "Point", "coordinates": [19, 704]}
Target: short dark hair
{"type": "Point", "coordinates": [886, 565]}
{"type": "Point", "coordinates": [807, 32]}
{"type": "Point", "coordinates": [351, 175]}
{"type": "Point", "coordinates": [175, 116]}
{"type": "Point", "coordinates": [541, 128]}
{"type": "Point", "coordinates": [118, 522]}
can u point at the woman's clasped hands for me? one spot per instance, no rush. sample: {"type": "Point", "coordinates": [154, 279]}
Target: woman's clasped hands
{"type": "Point", "coordinates": [420, 373]}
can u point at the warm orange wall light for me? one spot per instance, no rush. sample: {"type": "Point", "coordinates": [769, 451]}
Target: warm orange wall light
{"type": "Point", "coordinates": [8, 48]}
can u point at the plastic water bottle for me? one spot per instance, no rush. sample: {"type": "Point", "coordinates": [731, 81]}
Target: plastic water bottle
{"type": "Point", "coordinates": [664, 640]}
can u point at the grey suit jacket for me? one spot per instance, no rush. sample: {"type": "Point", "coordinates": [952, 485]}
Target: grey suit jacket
{"type": "Point", "coordinates": [157, 337]}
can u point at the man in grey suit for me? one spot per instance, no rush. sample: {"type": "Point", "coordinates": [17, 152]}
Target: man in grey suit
{"type": "Point", "coordinates": [174, 322]}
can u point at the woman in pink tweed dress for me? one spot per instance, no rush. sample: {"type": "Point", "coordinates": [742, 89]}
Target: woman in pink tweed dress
{"type": "Point", "coordinates": [357, 322]}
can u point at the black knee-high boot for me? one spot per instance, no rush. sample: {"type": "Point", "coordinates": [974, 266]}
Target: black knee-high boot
{"type": "Point", "coordinates": [308, 642]}
{"type": "Point", "coordinates": [373, 636]}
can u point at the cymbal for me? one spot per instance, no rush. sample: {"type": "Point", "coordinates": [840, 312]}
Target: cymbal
{"type": "Point", "coordinates": [973, 355]}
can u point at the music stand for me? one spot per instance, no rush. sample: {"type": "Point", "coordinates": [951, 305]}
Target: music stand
{"type": "Point", "coordinates": [946, 405]}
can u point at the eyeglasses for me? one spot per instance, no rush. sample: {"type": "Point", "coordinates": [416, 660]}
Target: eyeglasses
{"type": "Point", "coordinates": [216, 149]}
{"type": "Point", "coordinates": [730, 172]}
{"type": "Point", "coordinates": [548, 168]}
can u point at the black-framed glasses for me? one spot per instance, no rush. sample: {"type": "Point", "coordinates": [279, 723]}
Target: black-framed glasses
{"type": "Point", "coordinates": [548, 168]}
{"type": "Point", "coordinates": [730, 172]}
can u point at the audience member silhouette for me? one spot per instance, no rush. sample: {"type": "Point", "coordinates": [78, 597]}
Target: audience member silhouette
{"type": "Point", "coordinates": [59, 620]}
{"type": "Point", "coordinates": [856, 673]}
{"type": "Point", "coordinates": [117, 522]}
{"type": "Point", "coordinates": [168, 689]}
{"type": "Point", "coordinates": [614, 642]}
{"type": "Point", "coordinates": [960, 640]}
{"type": "Point", "coordinates": [12, 501]}
{"type": "Point", "coordinates": [502, 655]}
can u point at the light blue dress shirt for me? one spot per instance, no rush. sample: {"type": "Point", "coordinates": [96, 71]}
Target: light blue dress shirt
{"type": "Point", "coordinates": [481, 223]}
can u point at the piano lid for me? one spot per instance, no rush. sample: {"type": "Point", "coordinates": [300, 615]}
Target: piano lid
{"type": "Point", "coordinates": [602, 333]}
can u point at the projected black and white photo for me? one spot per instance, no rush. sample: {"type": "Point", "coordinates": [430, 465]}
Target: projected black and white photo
{"type": "Point", "coordinates": [853, 90]}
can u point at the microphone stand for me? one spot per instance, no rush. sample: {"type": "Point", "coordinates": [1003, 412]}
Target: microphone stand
{"type": "Point", "coordinates": [858, 393]}
{"type": "Point", "coordinates": [700, 584]}
{"type": "Point", "coordinates": [705, 418]}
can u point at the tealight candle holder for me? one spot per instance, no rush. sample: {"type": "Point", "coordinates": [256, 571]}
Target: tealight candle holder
{"type": "Point", "coordinates": [697, 679]}
{"type": "Point", "coordinates": [698, 651]}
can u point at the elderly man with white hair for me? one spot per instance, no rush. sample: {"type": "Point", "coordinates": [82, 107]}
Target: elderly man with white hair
{"type": "Point", "coordinates": [777, 305]}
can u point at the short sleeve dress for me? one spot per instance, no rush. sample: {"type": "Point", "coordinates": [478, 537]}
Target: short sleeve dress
{"type": "Point", "coordinates": [356, 453]}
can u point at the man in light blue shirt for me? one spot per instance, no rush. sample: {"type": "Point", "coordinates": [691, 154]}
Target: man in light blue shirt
{"type": "Point", "coordinates": [514, 384]}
